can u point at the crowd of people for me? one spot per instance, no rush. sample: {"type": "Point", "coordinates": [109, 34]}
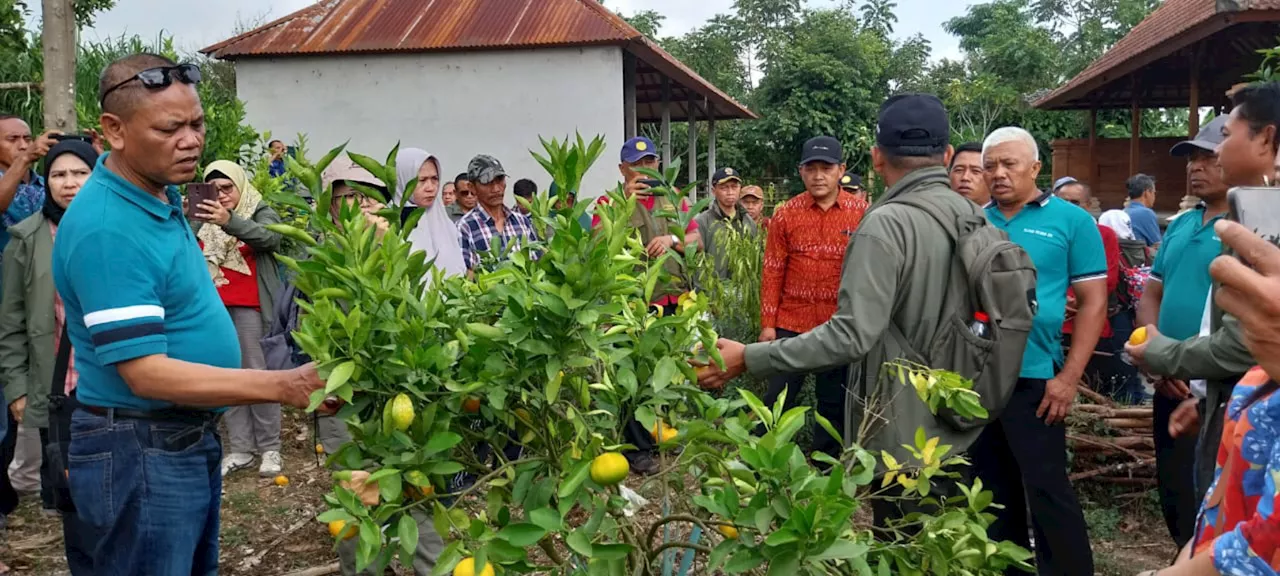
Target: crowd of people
{"type": "Point", "coordinates": [135, 322]}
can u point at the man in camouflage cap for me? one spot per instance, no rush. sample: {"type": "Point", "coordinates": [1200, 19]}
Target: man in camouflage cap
{"type": "Point", "coordinates": [492, 224]}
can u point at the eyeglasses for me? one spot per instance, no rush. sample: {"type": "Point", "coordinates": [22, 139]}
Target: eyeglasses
{"type": "Point", "coordinates": [465, 193]}
{"type": "Point", "coordinates": [159, 78]}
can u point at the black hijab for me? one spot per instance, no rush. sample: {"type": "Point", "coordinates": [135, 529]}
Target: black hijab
{"type": "Point", "coordinates": [82, 150]}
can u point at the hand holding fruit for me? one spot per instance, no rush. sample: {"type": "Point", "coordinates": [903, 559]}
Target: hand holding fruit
{"type": "Point", "coordinates": [735, 364]}
{"type": "Point", "coordinates": [1250, 291]}
{"type": "Point", "coordinates": [1136, 347]}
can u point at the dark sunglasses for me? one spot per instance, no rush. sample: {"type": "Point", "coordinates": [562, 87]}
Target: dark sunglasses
{"type": "Point", "coordinates": [159, 78]}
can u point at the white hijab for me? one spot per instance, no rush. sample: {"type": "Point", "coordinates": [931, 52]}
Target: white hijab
{"type": "Point", "coordinates": [435, 233]}
{"type": "Point", "coordinates": [1118, 220]}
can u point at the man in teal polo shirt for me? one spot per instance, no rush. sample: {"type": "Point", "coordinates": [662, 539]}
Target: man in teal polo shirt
{"type": "Point", "coordinates": [1024, 452]}
{"type": "Point", "coordinates": [156, 351]}
{"type": "Point", "coordinates": [1174, 301]}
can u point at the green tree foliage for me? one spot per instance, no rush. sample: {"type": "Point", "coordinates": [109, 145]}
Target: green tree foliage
{"type": "Point", "coordinates": [648, 22]}
{"type": "Point", "coordinates": [14, 13]}
{"type": "Point", "coordinates": [829, 78]}
{"type": "Point", "coordinates": [878, 15]}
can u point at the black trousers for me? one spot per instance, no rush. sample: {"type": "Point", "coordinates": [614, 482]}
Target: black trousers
{"type": "Point", "coordinates": [830, 392]}
{"type": "Point", "coordinates": [8, 496]}
{"type": "Point", "coordinates": [1175, 473]}
{"type": "Point", "coordinates": [1022, 461]}
{"type": "Point", "coordinates": [79, 538]}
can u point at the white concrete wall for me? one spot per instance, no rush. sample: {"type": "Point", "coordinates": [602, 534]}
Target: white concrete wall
{"type": "Point", "coordinates": [454, 105]}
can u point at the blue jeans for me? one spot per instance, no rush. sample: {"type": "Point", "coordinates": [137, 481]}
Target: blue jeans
{"type": "Point", "coordinates": [151, 489]}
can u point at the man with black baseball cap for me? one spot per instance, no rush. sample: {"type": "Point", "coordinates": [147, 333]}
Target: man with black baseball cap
{"type": "Point", "coordinates": [890, 299]}
{"type": "Point", "coordinates": [801, 279]}
{"type": "Point", "coordinates": [726, 185]}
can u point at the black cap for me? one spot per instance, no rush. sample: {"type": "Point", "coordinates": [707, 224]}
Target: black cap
{"type": "Point", "coordinates": [913, 125]}
{"type": "Point", "coordinates": [822, 149]}
{"type": "Point", "coordinates": [724, 175]}
{"type": "Point", "coordinates": [851, 180]}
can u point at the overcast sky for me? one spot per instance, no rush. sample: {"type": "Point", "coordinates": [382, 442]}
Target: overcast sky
{"type": "Point", "coordinates": [198, 23]}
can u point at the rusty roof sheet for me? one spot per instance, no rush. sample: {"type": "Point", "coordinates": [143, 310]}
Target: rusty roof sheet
{"type": "Point", "coordinates": [369, 26]}
{"type": "Point", "coordinates": [344, 26]}
{"type": "Point", "coordinates": [1174, 24]}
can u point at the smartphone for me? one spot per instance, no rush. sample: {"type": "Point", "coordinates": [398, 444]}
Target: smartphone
{"type": "Point", "coordinates": [197, 193]}
{"type": "Point", "coordinates": [61, 137]}
{"type": "Point", "coordinates": [1258, 209]}
{"type": "Point", "coordinates": [650, 182]}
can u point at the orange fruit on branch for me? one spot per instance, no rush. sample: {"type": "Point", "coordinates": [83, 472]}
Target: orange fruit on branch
{"type": "Point", "coordinates": [340, 527]}
{"type": "Point", "coordinates": [471, 405]}
{"type": "Point", "coordinates": [609, 469]}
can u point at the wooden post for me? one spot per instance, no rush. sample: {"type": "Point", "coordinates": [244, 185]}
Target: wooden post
{"type": "Point", "coordinates": [666, 122]}
{"type": "Point", "coordinates": [711, 146]}
{"type": "Point", "coordinates": [1135, 133]}
{"type": "Point", "coordinates": [1094, 169]}
{"type": "Point", "coordinates": [693, 146]}
{"type": "Point", "coordinates": [629, 94]}
{"type": "Point", "coordinates": [58, 35]}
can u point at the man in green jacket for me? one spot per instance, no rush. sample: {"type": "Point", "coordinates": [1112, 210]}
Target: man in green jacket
{"type": "Point", "coordinates": [1247, 156]}
{"type": "Point", "coordinates": [890, 279]}
{"type": "Point", "coordinates": [726, 185]}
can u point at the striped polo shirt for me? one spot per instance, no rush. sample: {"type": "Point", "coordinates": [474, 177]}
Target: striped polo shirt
{"type": "Point", "coordinates": [135, 284]}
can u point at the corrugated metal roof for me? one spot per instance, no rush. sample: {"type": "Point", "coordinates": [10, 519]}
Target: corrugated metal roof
{"type": "Point", "coordinates": [1173, 22]}
{"type": "Point", "coordinates": [344, 26]}
{"type": "Point", "coordinates": [367, 26]}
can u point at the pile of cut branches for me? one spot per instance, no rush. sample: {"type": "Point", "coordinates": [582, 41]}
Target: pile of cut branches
{"type": "Point", "coordinates": [1111, 444]}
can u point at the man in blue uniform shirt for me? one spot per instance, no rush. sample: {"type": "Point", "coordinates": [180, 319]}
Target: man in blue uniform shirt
{"type": "Point", "coordinates": [155, 348]}
{"type": "Point", "coordinates": [1024, 452]}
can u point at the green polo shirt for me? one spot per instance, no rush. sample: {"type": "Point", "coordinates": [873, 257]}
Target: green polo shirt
{"type": "Point", "coordinates": [1182, 267]}
{"type": "Point", "coordinates": [134, 283]}
{"type": "Point", "coordinates": [1063, 242]}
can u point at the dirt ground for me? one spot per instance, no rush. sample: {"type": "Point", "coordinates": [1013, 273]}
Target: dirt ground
{"type": "Point", "coordinates": [271, 530]}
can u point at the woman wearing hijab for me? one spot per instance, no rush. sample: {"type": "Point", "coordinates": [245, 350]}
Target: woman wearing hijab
{"type": "Point", "coordinates": [239, 250]}
{"type": "Point", "coordinates": [31, 330]}
{"type": "Point", "coordinates": [435, 233]}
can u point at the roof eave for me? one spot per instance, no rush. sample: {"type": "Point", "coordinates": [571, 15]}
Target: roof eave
{"type": "Point", "coordinates": [1070, 95]}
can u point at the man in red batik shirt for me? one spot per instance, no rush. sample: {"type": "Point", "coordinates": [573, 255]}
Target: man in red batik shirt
{"type": "Point", "coordinates": [803, 256]}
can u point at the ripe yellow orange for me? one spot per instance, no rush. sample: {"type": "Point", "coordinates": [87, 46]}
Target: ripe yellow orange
{"type": "Point", "coordinates": [1139, 336]}
{"type": "Point", "coordinates": [340, 527]}
{"type": "Point", "coordinates": [728, 531]}
{"type": "Point", "coordinates": [471, 405]}
{"type": "Point", "coordinates": [662, 433]}
{"type": "Point", "coordinates": [402, 412]}
{"type": "Point", "coordinates": [467, 567]}
{"type": "Point", "coordinates": [609, 468]}
{"type": "Point", "coordinates": [319, 448]}
{"type": "Point", "coordinates": [282, 480]}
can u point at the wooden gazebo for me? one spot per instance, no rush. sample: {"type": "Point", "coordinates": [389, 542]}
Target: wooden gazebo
{"type": "Point", "coordinates": [1187, 53]}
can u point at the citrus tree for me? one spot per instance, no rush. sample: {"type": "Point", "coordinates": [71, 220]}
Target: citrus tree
{"type": "Point", "coordinates": [499, 404]}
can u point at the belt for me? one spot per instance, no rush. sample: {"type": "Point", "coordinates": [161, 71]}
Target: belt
{"type": "Point", "coordinates": [175, 415]}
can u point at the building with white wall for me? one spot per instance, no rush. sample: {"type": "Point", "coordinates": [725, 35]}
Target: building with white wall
{"type": "Point", "coordinates": [466, 77]}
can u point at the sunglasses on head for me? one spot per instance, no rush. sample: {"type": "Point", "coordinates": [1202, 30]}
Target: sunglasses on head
{"type": "Point", "coordinates": [159, 78]}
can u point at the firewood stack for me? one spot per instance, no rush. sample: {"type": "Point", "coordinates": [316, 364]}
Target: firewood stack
{"type": "Point", "coordinates": [1111, 444]}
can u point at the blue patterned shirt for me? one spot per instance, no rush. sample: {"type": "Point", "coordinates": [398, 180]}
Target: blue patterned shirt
{"type": "Point", "coordinates": [26, 201]}
{"type": "Point", "coordinates": [477, 232]}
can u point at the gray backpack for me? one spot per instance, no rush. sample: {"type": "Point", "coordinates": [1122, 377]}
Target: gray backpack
{"type": "Point", "coordinates": [992, 275]}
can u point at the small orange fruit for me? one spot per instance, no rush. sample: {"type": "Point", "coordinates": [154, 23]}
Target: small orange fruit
{"type": "Point", "coordinates": [662, 433]}
{"type": "Point", "coordinates": [282, 480]}
{"type": "Point", "coordinates": [319, 448]}
{"type": "Point", "coordinates": [609, 468]}
{"type": "Point", "coordinates": [1139, 336]}
{"type": "Point", "coordinates": [728, 531]}
{"type": "Point", "coordinates": [340, 527]}
{"type": "Point", "coordinates": [471, 405]}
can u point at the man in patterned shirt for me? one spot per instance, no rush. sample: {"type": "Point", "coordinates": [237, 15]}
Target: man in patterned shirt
{"type": "Point", "coordinates": [21, 190]}
{"type": "Point", "coordinates": [494, 226]}
{"type": "Point", "coordinates": [803, 256]}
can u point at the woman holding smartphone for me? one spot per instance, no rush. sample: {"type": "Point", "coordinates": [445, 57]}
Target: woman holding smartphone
{"type": "Point", "coordinates": [239, 251]}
